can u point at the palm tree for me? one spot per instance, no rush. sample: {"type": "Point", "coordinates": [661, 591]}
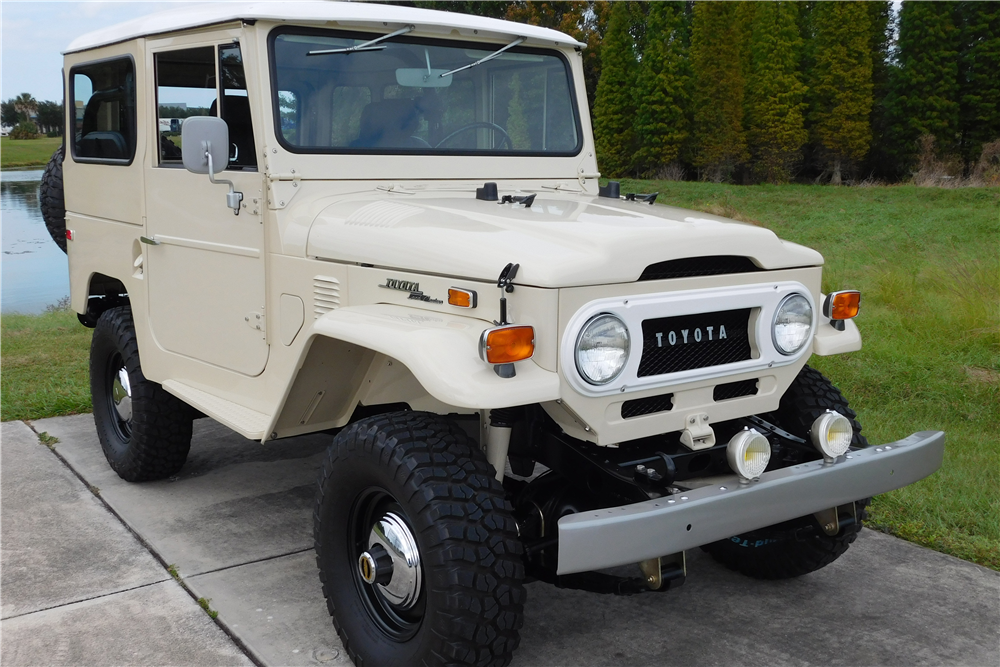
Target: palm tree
{"type": "Point", "coordinates": [26, 104]}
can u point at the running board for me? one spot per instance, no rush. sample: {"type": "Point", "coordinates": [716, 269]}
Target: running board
{"type": "Point", "coordinates": [243, 420]}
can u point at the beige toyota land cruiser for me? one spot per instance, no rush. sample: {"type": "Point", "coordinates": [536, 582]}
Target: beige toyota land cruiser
{"type": "Point", "coordinates": [294, 217]}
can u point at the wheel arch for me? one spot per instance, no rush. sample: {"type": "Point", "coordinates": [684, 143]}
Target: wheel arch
{"type": "Point", "coordinates": [103, 293]}
{"type": "Point", "coordinates": [385, 354]}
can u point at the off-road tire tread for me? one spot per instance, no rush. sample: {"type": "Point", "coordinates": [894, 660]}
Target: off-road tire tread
{"type": "Point", "coordinates": [161, 422]}
{"type": "Point", "coordinates": [809, 396]}
{"type": "Point", "coordinates": [51, 199]}
{"type": "Point", "coordinates": [474, 562]}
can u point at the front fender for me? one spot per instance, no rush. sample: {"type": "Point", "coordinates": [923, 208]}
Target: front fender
{"type": "Point", "coordinates": [442, 352]}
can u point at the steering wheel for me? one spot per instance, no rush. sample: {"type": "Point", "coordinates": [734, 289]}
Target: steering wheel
{"type": "Point", "coordinates": [504, 137]}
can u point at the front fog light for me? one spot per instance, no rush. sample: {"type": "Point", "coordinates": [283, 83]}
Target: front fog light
{"type": "Point", "coordinates": [602, 349]}
{"type": "Point", "coordinates": [748, 453]}
{"type": "Point", "coordinates": [832, 434]}
{"type": "Point", "coordinates": [792, 324]}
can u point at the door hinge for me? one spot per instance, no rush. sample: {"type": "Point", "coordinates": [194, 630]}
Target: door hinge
{"type": "Point", "coordinates": [281, 188]}
{"type": "Point", "coordinates": [255, 321]}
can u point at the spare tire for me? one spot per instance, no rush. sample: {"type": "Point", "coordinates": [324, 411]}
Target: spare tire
{"type": "Point", "coordinates": [51, 199]}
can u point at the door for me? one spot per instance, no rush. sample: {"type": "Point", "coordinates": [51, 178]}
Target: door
{"type": "Point", "coordinates": [205, 264]}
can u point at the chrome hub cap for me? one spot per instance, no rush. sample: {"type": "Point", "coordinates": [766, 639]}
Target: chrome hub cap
{"type": "Point", "coordinates": [121, 395]}
{"type": "Point", "coordinates": [391, 534]}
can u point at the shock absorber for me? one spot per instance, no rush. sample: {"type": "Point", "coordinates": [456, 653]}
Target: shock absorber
{"type": "Point", "coordinates": [498, 440]}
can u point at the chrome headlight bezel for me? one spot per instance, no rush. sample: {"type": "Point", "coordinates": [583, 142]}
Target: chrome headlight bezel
{"type": "Point", "coordinates": [809, 316]}
{"type": "Point", "coordinates": [626, 349]}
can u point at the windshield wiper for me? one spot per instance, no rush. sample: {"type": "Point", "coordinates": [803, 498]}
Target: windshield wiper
{"type": "Point", "coordinates": [372, 45]}
{"type": "Point", "coordinates": [493, 55]}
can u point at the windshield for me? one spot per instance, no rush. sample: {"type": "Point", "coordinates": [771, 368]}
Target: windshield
{"type": "Point", "coordinates": [406, 95]}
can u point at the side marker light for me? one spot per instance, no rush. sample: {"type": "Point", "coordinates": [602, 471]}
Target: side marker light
{"type": "Point", "coordinates": [463, 298]}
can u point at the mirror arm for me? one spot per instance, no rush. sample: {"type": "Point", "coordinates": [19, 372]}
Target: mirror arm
{"type": "Point", "coordinates": [233, 198]}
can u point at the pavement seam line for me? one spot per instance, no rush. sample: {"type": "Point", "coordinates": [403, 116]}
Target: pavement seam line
{"type": "Point", "coordinates": [252, 562]}
{"type": "Point", "coordinates": [93, 597]}
{"type": "Point", "coordinates": [240, 644]}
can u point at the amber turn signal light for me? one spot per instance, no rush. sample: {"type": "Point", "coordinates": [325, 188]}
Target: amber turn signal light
{"type": "Point", "coordinates": [507, 344]}
{"type": "Point", "coordinates": [463, 298]}
{"type": "Point", "coordinates": [842, 305]}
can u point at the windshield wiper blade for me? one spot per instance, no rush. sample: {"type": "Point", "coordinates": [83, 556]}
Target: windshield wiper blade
{"type": "Point", "coordinates": [371, 45]}
{"type": "Point", "coordinates": [487, 58]}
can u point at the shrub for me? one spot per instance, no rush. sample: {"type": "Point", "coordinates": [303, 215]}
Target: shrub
{"type": "Point", "coordinates": [934, 169]}
{"type": "Point", "coordinates": [26, 130]}
{"type": "Point", "coordinates": [987, 170]}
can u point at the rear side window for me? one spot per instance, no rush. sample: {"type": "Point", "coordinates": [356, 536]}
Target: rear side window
{"type": "Point", "coordinates": [103, 95]}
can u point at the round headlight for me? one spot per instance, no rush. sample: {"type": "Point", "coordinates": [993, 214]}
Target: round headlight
{"type": "Point", "coordinates": [602, 349]}
{"type": "Point", "coordinates": [792, 324]}
{"type": "Point", "coordinates": [831, 434]}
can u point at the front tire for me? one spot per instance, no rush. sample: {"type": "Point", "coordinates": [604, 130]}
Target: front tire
{"type": "Point", "coordinates": [145, 432]}
{"type": "Point", "coordinates": [799, 546]}
{"type": "Point", "coordinates": [454, 593]}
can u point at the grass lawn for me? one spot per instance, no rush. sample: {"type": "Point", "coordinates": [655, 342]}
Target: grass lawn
{"type": "Point", "coordinates": [927, 264]}
{"type": "Point", "coordinates": [27, 152]}
{"type": "Point", "coordinates": [43, 366]}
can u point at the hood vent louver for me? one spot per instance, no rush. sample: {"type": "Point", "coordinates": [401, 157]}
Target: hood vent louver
{"type": "Point", "coordinates": [699, 266]}
{"type": "Point", "coordinates": [326, 295]}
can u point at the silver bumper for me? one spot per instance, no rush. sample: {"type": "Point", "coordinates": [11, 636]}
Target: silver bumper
{"type": "Point", "coordinates": [631, 533]}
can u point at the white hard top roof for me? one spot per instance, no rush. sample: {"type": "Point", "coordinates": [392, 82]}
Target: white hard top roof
{"type": "Point", "coordinates": [361, 13]}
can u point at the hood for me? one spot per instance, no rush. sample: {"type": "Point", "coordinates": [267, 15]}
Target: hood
{"type": "Point", "coordinates": [560, 241]}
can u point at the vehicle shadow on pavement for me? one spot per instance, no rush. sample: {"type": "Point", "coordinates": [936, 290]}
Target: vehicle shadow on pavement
{"type": "Point", "coordinates": [237, 524]}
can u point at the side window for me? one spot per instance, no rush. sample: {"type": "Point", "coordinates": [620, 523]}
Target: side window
{"type": "Point", "coordinates": [185, 86]}
{"type": "Point", "coordinates": [104, 100]}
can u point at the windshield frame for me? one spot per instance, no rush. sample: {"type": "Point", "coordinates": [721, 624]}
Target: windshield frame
{"type": "Point", "coordinates": [407, 39]}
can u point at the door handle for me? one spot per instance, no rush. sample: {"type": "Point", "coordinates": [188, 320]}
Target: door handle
{"type": "Point", "coordinates": [149, 241]}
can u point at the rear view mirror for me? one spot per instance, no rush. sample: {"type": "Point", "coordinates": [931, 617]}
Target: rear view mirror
{"type": "Point", "coordinates": [202, 136]}
{"type": "Point", "coordinates": [418, 77]}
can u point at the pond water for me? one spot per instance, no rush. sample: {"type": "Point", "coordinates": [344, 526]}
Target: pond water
{"type": "Point", "coordinates": [35, 271]}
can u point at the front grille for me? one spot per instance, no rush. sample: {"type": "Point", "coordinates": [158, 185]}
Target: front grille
{"type": "Point", "coordinates": [647, 406]}
{"type": "Point", "coordinates": [672, 344]}
{"type": "Point", "coordinates": [699, 266]}
{"type": "Point", "coordinates": [723, 392]}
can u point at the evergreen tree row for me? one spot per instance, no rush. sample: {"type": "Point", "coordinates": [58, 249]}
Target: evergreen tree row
{"type": "Point", "coordinates": [769, 91]}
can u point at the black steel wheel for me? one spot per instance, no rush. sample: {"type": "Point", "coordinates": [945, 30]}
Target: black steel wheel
{"type": "Point", "coordinates": [417, 549]}
{"type": "Point", "coordinates": [145, 432]}
{"type": "Point", "coordinates": [800, 546]}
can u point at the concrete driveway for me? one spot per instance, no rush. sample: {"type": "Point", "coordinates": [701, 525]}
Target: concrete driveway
{"type": "Point", "coordinates": [236, 524]}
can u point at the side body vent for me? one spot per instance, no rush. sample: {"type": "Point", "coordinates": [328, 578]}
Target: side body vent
{"type": "Point", "coordinates": [647, 406]}
{"type": "Point", "coordinates": [326, 295]}
{"type": "Point", "coordinates": [688, 267]}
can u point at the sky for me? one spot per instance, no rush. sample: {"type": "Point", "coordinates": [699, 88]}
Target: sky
{"type": "Point", "coordinates": [33, 35]}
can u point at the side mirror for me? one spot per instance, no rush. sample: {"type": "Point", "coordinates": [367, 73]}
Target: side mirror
{"type": "Point", "coordinates": [205, 150]}
{"type": "Point", "coordinates": [202, 136]}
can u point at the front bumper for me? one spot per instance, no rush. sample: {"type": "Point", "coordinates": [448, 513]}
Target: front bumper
{"type": "Point", "coordinates": [631, 533]}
